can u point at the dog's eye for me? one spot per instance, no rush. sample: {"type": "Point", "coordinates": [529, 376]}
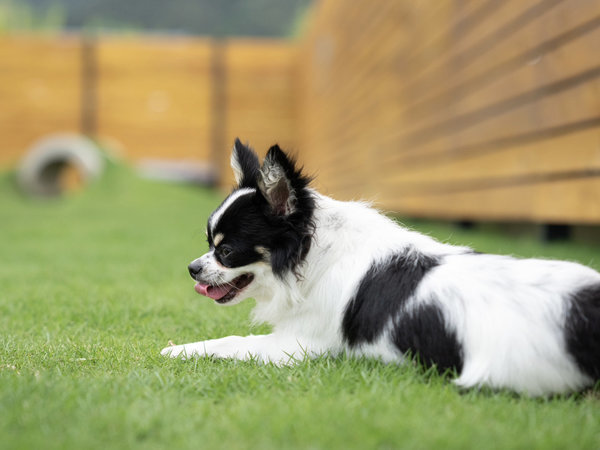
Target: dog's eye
{"type": "Point", "coordinates": [225, 251]}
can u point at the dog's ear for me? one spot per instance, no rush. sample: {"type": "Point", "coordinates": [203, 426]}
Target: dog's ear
{"type": "Point", "coordinates": [278, 181]}
{"type": "Point", "coordinates": [245, 165]}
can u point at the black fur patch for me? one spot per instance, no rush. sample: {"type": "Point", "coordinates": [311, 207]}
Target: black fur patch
{"type": "Point", "coordinates": [381, 295]}
{"type": "Point", "coordinates": [423, 333]}
{"type": "Point", "coordinates": [582, 330]}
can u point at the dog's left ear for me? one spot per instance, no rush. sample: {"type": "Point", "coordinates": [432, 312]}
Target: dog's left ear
{"type": "Point", "coordinates": [279, 180]}
{"type": "Point", "coordinates": [245, 165]}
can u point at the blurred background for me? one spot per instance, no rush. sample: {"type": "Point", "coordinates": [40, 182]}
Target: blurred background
{"type": "Point", "coordinates": [474, 121]}
{"type": "Point", "coordinates": [462, 110]}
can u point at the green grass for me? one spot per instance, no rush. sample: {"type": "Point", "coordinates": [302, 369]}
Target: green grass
{"type": "Point", "coordinates": [93, 285]}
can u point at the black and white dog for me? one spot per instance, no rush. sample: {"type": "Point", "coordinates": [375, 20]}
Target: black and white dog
{"type": "Point", "coordinates": [335, 277]}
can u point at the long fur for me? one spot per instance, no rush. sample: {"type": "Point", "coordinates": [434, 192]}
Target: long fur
{"type": "Point", "coordinates": [334, 277]}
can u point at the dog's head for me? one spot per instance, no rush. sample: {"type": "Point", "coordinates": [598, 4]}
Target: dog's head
{"type": "Point", "coordinates": [261, 232]}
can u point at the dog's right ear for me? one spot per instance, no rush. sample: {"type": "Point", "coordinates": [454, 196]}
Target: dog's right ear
{"type": "Point", "coordinates": [245, 165]}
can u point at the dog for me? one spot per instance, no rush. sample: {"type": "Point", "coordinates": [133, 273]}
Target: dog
{"type": "Point", "coordinates": [336, 277]}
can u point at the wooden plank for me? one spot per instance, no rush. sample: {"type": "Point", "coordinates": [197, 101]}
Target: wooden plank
{"type": "Point", "coordinates": [574, 151]}
{"type": "Point", "coordinates": [568, 201]}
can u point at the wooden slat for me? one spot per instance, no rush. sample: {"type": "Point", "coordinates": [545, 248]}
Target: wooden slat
{"type": "Point", "coordinates": [573, 151]}
{"type": "Point", "coordinates": [573, 201]}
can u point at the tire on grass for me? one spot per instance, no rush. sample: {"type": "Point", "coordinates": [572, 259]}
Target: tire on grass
{"type": "Point", "coordinates": [59, 163]}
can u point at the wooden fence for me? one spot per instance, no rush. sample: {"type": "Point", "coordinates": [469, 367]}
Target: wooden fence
{"type": "Point", "coordinates": [458, 109]}
{"type": "Point", "coordinates": [467, 110]}
{"type": "Point", "coordinates": [165, 98]}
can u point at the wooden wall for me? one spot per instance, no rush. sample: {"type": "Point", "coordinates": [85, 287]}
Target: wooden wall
{"type": "Point", "coordinates": [172, 98]}
{"type": "Point", "coordinates": [460, 109]}
{"type": "Point", "coordinates": [478, 109]}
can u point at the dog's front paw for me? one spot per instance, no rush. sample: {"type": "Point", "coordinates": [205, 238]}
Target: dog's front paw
{"type": "Point", "coordinates": [229, 347]}
{"type": "Point", "coordinates": [174, 351]}
{"type": "Point", "coordinates": [199, 349]}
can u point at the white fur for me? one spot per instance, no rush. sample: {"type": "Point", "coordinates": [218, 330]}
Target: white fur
{"type": "Point", "coordinates": [506, 312]}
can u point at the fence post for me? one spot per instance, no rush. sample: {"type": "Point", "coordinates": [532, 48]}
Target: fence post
{"type": "Point", "coordinates": [89, 85]}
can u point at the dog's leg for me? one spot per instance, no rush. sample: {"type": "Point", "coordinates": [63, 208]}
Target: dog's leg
{"type": "Point", "coordinates": [265, 348]}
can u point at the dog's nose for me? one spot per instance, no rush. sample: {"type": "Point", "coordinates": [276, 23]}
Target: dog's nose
{"type": "Point", "coordinates": [195, 268]}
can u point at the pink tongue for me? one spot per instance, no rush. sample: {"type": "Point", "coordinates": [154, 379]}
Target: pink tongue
{"type": "Point", "coordinates": [214, 292]}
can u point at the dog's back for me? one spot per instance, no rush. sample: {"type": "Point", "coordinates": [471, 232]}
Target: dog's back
{"type": "Point", "coordinates": [526, 324]}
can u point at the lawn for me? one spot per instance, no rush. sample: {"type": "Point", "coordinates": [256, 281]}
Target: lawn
{"type": "Point", "coordinates": [93, 285]}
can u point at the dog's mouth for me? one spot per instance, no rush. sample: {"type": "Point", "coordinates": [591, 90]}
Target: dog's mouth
{"type": "Point", "coordinates": [223, 293]}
